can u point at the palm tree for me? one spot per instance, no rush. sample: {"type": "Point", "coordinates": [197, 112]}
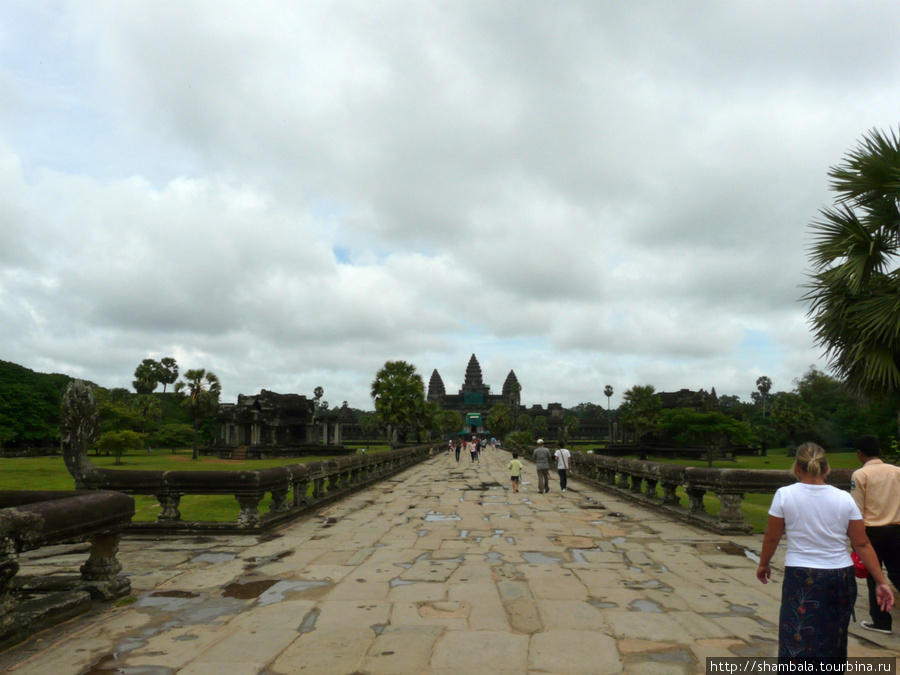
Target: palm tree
{"type": "Point", "coordinates": [399, 393]}
{"type": "Point", "coordinates": [854, 293]}
{"type": "Point", "coordinates": [201, 391]}
{"type": "Point", "coordinates": [608, 392]}
{"type": "Point", "coordinates": [764, 386]}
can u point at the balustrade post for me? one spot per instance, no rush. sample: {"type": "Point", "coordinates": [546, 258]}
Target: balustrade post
{"type": "Point", "coordinates": [650, 487]}
{"type": "Point", "coordinates": [301, 493]}
{"type": "Point", "coordinates": [669, 494]}
{"type": "Point", "coordinates": [636, 481]}
{"type": "Point", "coordinates": [279, 500]}
{"type": "Point", "coordinates": [730, 514]}
{"type": "Point", "coordinates": [8, 569]}
{"type": "Point", "coordinates": [102, 564]}
{"type": "Point", "coordinates": [249, 515]}
{"type": "Point", "coordinates": [169, 502]}
{"type": "Point", "coordinates": [318, 488]}
{"type": "Point", "coordinates": [695, 495]}
{"type": "Point", "coordinates": [624, 477]}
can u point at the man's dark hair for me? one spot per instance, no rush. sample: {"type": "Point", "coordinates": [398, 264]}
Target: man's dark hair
{"type": "Point", "coordinates": [867, 446]}
{"type": "Point", "coordinates": [515, 455]}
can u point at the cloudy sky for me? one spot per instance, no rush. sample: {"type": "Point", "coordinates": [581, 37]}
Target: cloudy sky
{"type": "Point", "coordinates": [292, 193]}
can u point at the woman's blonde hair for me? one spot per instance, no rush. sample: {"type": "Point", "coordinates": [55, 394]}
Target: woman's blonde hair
{"type": "Point", "coordinates": [810, 459]}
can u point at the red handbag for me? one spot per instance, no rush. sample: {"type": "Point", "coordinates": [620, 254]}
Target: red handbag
{"type": "Point", "coordinates": [858, 568]}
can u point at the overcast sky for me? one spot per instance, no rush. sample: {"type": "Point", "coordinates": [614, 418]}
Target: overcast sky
{"type": "Point", "coordinates": [292, 193]}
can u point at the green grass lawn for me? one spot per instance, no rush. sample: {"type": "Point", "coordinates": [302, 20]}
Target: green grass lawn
{"type": "Point", "coordinates": [50, 473]}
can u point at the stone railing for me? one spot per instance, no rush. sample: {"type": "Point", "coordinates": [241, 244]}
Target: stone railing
{"type": "Point", "coordinates": [654, 484]}
{"type": "Point", "coordinates": [309, 485]}
{"type": "Point", "coordinates": [31, 520]}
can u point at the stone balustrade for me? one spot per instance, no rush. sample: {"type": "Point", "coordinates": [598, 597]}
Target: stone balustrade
{"type": "Point", "coordinates": [33, 519]}
{"type": "Point", "coordinates": [654, 484]}
{"type": "Point", "coordinates": [311, 484]}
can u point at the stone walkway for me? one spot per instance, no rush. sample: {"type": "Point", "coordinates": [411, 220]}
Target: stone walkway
{"type": "Point", "coordinates": [439, 570]}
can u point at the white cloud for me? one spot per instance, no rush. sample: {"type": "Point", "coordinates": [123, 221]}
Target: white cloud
{"type": "Point", "coordinates": [291, 194]}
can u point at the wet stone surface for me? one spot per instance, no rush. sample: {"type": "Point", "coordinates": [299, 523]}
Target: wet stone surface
{"type": "Point", "coordinates": [441, 569]}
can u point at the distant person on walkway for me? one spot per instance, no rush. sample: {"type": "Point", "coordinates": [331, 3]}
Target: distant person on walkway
{"type": "Point", "coordinates": [473, 449]}
{"type": "Point", "coordinates": [819, 589]}
{"type": "Point", "coordinates": [459, 445]}
{"type": "Point", "coordinates": [563, 464]}
{"type": "Point", "coordinates": [515, 471]}
{"type": "Point", "coordinates": [876, 490]}
{"type": "Point", "coordinates": [541, 457]}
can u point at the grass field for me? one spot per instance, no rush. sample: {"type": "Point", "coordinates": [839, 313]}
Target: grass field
{"type": "Point", "coordinates": [50, 473]}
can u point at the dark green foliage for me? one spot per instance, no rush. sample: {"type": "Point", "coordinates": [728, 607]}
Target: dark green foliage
{"type": "Point", "coordinates": [29, 406]}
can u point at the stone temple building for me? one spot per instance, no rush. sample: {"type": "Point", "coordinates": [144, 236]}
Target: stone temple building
{"type": "Point", "coordinates": [474, 398]}
{"type": "Point", "coordinates": [269, 419]}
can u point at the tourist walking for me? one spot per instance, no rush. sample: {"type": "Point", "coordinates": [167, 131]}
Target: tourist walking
{"type": "Point", "coordinates": [819, 588]}
{"type": "Point", "coordinates": [563, 464]}
{"type": "Point", "coordinates": [876, 490]}
{"type": "Point", "coordinates": [473, 449]}
{"type": "Point", "coordinates": [515, 471]}
{"type": "Point", "coordinates": [541, 457]}
{"type": "Point", "coordinates": [458, 448]}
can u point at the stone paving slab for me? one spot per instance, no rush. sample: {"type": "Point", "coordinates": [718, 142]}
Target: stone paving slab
{"type": "Point", "coordinates": [441, 570]}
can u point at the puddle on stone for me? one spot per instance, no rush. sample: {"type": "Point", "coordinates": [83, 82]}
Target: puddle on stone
{"type": "Point", "coordinates": [405, 566]}
{"type": "Point", "coordinates": [650, 584]}
{"type": "Point", "coordinates": [329, 521]}
{"type": "Point", "coordinates": [214, 558]}
{"type": "Point", "coordinates": [493, 555]}
{"type": "Point", "coordinates": [378, 628]}
{"type": "Point", "coordinates": [463, 534]}
{"type": "Point", "coordinates": [424, 556]}
{"type": "Point", "coordinates": [674, 656]}
{"type": "Point", "coordinates": [538, 558]}
{"type": "Point", "coordinates": [497, 534]}
{"type": "Point", "coordinates": [103, 666]}
{"type": "Point", "coordinates": [617, 541]}
{"type": "Point", "coordinates": [578, 553]}
{"type": "Point", "coordinates": [248, 590]}
{"type": "Point", "coordinates": [645, 606]}
{"type": "Point", "coordinates": [168, 601]}
{"type": "Point", "coordinates": [278, 592]}
{"type": "Point", "coordinates": [308, 625]}
{"type": "Point", "coordinates": [511, 540]}
{"type": "Point", "coordinates": [434, 516]}
{"type": "Point", "coordinates": [602, 604]}
{"type": "Point", "coordinates": [423, 533]}
{"type": "Point", "coordinates": [397, 581]}
{"type": "Point", "coordinates": [741, 609]}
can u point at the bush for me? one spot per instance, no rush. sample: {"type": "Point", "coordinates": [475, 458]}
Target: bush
{"type": "Point", "coordinates": [118, 442]}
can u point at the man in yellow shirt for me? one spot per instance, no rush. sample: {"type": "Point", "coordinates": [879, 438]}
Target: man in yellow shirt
{"type": "Point", "coordinates": [876, 490]}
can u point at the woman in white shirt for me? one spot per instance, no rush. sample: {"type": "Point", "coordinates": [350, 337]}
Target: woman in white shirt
{"type": "Point", "coordinates": [819, 589]}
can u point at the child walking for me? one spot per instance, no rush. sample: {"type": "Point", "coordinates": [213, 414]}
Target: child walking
{"type": "Point", "coordinates": [515, 471]}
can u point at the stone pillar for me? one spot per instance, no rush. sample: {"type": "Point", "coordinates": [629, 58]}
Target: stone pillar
{"type": "Point", "coordinates": [169, 502]}
{"type": "Point", "coordinates": [301, 493]}
{"type": "Point", "coordinates": [650, 487]}
{"type": "Point", "coordinates": [730, 515]}
{"type": "Point", "coordinates": [696, 497]}
{"type": "Point", "coordinates": [102, 564]}
{"type": "Point", "coordinates": [279, 501]}
{"type": "Point", "coordinates": [669, 495]}
{"type": "Point", "coordinates": [249, 515]}
{"type": "Point", "coordinates": [8, 569]}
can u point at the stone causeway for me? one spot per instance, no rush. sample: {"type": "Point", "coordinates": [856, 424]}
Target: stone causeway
{"type": "Point", "coordinates": [438, 570]}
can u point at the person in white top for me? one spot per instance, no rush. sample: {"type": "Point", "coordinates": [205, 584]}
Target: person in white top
{"type": "Point", "coordinates": [563, 464]}
{"type": "Point", "coordinates": [819, 589]}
